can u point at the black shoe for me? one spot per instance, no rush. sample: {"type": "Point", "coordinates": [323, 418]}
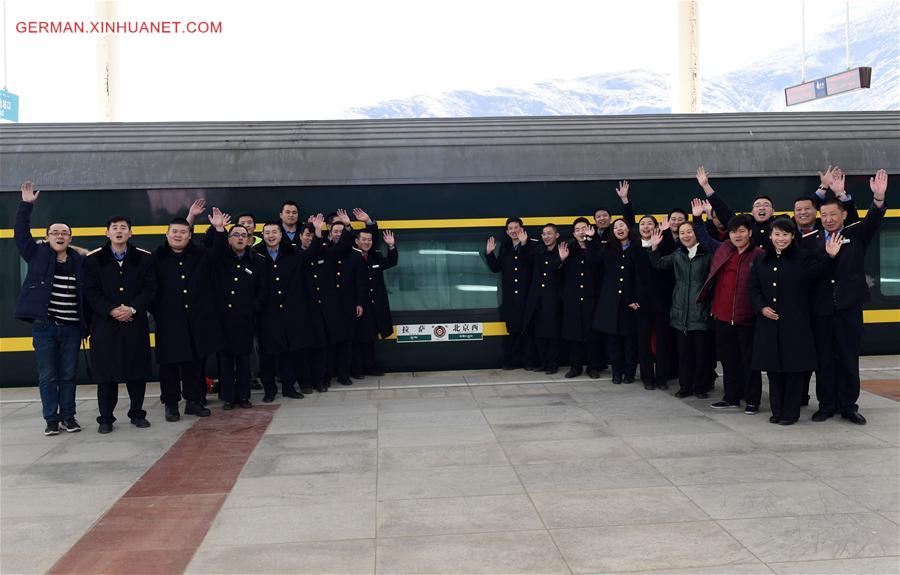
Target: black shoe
{"type": "Point", "coordinates": [773, 419]}
{"type": "Point", "coordinates": [593, 373]}
{"type": "Point", "coordinates": [172, 412]}
{"type": "Point", "coordinates": [573, 372]}
{"type": "Point", "coordinates": [702, 395]}
{"type": "Point", "coordinates": [374, 372]}
{"type": "Point", "coordinates": [628, 379]}
{"type": "Point", "coordinates": [292, 394]}
{"type": "Point", "coordinates": [344, 381]}
{"type": "Point", "coordinates": [227, 406]}
{"type": "Point", "coordinates": [787, 421]}
{"type": "Point", "coordinates": [52, 428]}
{"type": "Point", "coordinates": [509, 366]}
{"type": "Point", "coordinates": [71, 425]}
{"type": "Point", "coordinates": [822, 415]}
{"type": "Point", "coordinates": [751, 409]}
{"type": "Point", "coordinates": [305, 390]}
{"type": "Point", "coordinates": [140, 422]}
{"type": "Point", "coordinates": [529, 368]}
{"type": "Point", "coordinates": [682, 393]}
{"type": "Point", "coordinates": [245, 404]}
{"type": "Point", "coordinates": [268, 398]}
{"type": "Point", "coordinates": [551, 370]}
{"type": "Point", "coordinates": [193, 408]}
{"type": "Point", "coordinates": [854, 417]}
{"type": "Point", "coordinates": [321, 388]}
{"type": "Point", "coordinates": [649, 385]}
{"type": "Point", "coordinates": [105, 428]}
{"type": "Point", "coordinates": [617, 378]}
{"type": "Point", "coordinates": [203, 400]}
{"type": "Point", "coordinates": [725, 405]}
{"type": "Point", "coordinates": [357, 376]}
{"type": "Point", "coordinates": [662, 384]}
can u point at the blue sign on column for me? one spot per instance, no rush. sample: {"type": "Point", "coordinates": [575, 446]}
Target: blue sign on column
{"type": "Point", "coordinates": [9, 106]}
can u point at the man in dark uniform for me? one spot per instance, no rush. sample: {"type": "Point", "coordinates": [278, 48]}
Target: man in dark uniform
{"type": "Point", "coordinates": [119, 286]}
{"type": "Point", "coordinates": [248, 220]}
{"type": "Point", "coordinates": [838, 301]}
{"type": "Point", "coordinates": [239, 286]}
{"type": "Point", "coordinates": [580, 285]}
{"type": "Point", "coordinates": [543, 309]}
{"type": "Point", "coordinates": [373, 311]}
{"type": "Point", "coordinates": [514, 264]}
{"type": "Point", "coordinates": [312, 360]}
{"type": "Point", "coordinates": [290, 214]}
{"type": "Point", "coordinates": [186, 320]}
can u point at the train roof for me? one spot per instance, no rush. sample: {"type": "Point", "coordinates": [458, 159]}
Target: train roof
{"type": "Point", "coordinates": [444, 150]}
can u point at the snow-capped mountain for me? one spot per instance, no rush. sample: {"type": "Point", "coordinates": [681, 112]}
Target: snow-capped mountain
{"type": "Point", "coordinates": [755, 88]}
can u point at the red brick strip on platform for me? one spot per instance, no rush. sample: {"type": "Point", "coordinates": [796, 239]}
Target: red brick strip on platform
{"type": "Point", "coordinates": [160, 522]}
{"type": "Point", "coordinates": [889, 388]}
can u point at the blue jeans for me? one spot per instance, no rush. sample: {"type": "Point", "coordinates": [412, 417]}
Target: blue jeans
{"type": "Point", "coordinates": [56, 351]}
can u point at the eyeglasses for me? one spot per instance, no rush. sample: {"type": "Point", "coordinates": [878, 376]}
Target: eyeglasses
{"type": "Point", "coordinates": [239, 235]}
{"type": "Point", "coordinates": [61, 234]}
{"type": "Point", "coordinates": [762, 205]}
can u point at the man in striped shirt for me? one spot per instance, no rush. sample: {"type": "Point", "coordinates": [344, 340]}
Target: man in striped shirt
{"type": "Point", "coordinates": [51, 300]}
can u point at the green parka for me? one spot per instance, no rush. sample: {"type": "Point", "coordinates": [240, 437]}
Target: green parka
{"type": "Point", "coordinates": [690, 274]}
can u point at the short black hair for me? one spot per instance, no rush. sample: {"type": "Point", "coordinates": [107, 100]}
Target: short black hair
{"type": "Point", "coordinates": [581, 220]}
{"type": "Point", "coordinates": [677, 211]}
{"type": "Point", "coordinates": [833, 202]}
{"type": "Point", "coordinates": [331, 217]}
{"type": "Point", "coordinates": [804, 199]}
{"type": "Point", "coordinates": [740, 220]}
{"type": "Point", "coordinates": [237, 226]}
{"type": "Point", "coordinates": [764, 197]}
{"type": "Point", "coordinates": [601, 209]}
{"type": "Point", "coordinates": [550, 225]}
{"type": "Point", "coordinates": [514, 220]}
{"type": "Point", "coordinates": [288, 203]}
{"type": "Point", "coordinates": [652, 218]}
{"type": "Point", "coordinates": [365, 231]}
{"type": "Point", "coordinates": [181, 222]}
{"type": "Point", "coordinates": [246, 215]}
{"type": "Point", "coordinates": [116, 219]}
{"type": "Point", "coordinates": [784, 224]}
{"type": "Point", "coordinates": [271, 223]}
{"type": "Point", "coordinates": [308, 227]}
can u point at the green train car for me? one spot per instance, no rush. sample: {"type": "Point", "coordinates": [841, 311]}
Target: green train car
{"type": "Point", "coordinates": [444, 186]}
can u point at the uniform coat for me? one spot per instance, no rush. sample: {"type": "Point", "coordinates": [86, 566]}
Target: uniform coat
{"type": "Point", "coordinates": [239, 288]}
{"type": "Point", "coordinates": [187, 326]}
{"type": "Point", "coordinates": [371, 294]}
{"type": "Point", "coordinates": [581, 283]}
{"type": "Point", "coordinates": [287, 322]}
{"type": "Point", "coordinates": [782, 282]}
{"type": "Point", "coordinates": [617, 287]}
{"type": "Point", "coordinates": [514, 264]}
{"type": "Point", "coordinates": [120, 351]}
{"type": "Point", "coordinates": [543, 309]}
{"type": "Point", "coordinates": [327, 295]}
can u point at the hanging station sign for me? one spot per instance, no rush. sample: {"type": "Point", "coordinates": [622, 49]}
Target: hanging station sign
{"type": "Point", "coordinates": [840, 83]}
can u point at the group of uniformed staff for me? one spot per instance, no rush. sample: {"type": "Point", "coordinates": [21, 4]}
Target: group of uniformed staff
{"type": "Point", "coordinates": [759, 292]}
{"type": "Point", "coordinates": [310, 303]}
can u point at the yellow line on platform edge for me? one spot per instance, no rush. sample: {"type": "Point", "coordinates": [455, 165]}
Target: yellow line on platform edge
{"type": "Point", "coordinates": [160, 230]}
{"type": "Point", "coordinates": [491, 329]}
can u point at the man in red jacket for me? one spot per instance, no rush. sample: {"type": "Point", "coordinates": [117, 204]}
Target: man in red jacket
{"type": "Point", "coordinates": [727, 288]}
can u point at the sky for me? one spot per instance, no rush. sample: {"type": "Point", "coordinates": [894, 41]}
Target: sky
{"type": "Point", "coordinates": [315, 59]}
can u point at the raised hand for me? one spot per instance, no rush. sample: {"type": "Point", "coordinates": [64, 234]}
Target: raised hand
{"type": "Point", "coordinates": [29, 194]}
{"type": "Point", "coordinates": [317, 221]}
{"type": "Point", "coordinates": [827, 178]}
{"type": "Point", "coordinates": [359, 311]}
{"type": "Point", "coordinates": [342, 215]}
{"type": "Point", "coordinates": [770, 313]}
{"type": "Point", "coordinates": [707, 207]}
{"type": "Point", "coordinates": [878, 185]}
{"type": "Point", "coordinates": [523, 236]}
{"type": "Point", "coordinates": [697, 207]}
{"type": "Point", "coordinates": [388, 236]}
{"type": "Point", "coordinates": [361, 216]}
{"type": "Point", "coordinates": [663, 225]}
{"type": "Point", "coordinates": [635, 306]}
{"type": "Point", "coordinates": [702, 177]}
{"type": "Point", "coordinates": [197, 208]}
{"type": "Point", "coordinates": [563, 250]}
{"type": "Point", "coordinates": [622, 191]}
{"type": "Point", "coordinates": [218, 220]}
{"type": "Point", "coordinates": [491, 245]}
{"type": "Point", "coordinates": [838, 184]}
{"type": "Point", "coordinates": [590, 232]}
{"type": "Point", "coordinates": [656, 238]}
{"type": "Point", "coordinates": [833, 245]}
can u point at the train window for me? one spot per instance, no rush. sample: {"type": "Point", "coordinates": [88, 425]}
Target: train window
{"type": "Point", "coordinates": [436, 274]}
{"type": "Point", "coordinates": [889, 250]}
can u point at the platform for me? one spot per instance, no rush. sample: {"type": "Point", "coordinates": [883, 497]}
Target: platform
{"type": "Point", "coordinates": [456, 472]}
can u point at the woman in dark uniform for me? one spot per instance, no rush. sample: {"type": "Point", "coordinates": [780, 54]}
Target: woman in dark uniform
{"type": "Point", "coordinates": [783, 342]}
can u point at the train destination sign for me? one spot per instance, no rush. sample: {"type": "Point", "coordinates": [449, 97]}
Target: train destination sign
{"type": "Point", "coordinates": [829, 86]}
{"type": "Point", "coordinates": [432, 332]}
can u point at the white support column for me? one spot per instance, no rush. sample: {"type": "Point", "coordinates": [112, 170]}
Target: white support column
{"type": "Point", "coordinates": [107, 65]}
{"type": "Point", "coordinates": [686, 84]}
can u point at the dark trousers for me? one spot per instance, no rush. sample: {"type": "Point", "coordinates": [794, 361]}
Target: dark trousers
{"type": "Point", "coordinates": [311, 363]}
{"type": "Point", "coordinates": [363, 360]}
{"type": "Point", "coordinates": [234, 376]}
{"type": "Point", "coordinates": [785, 394]}
{"type": "Point", "coordinates": [807, 375]}
{"type": "Point", "coordinates": [340, 358]}
{"type": "Point", "coordinates": [548, 352]}
{"type": "Point", "coordinates": [56, 352]}
{"type": "Point", "coordinates": [622, 353]}
{"type": "Point", "coordinates": [735, 347]}
{"type": "Point", "coordinates": [655, 365]}
{"type": "Point", "coordinates": [519, 350]}
{"type": "Point", "coordinates": [602, 349]}
{"type": "Point", "coordinates": [838, 339]}
{"type": "Point", "coordinates": [586, 352]}
{"type": "Point", "coordinates": [177, 380]}
{"type": "Point", "coordinates": [108, 397]}
{"type": "Point", "coordinates": [693, 361]}
{"type": "Point", "coordinates": [281, 364]}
